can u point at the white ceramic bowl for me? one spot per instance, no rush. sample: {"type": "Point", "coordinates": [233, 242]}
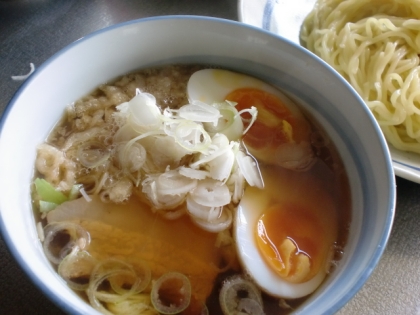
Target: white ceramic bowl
{"type": "Point", "coordinates": [106, 54]}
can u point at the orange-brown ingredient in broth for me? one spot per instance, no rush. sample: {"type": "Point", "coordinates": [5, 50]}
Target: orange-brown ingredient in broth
{"type": "Point", "coordinates": [131, 232]}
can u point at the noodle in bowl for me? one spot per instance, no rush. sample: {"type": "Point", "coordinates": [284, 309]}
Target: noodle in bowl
{"type": "Point", "coordinates": [145, 43]}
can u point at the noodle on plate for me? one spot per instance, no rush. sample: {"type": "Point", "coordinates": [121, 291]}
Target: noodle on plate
{"type": "Point", "coordinates": [374, 45]}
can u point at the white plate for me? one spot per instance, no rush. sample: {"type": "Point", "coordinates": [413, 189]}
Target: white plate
{"type": "Point", "coordinates": [284, 18]}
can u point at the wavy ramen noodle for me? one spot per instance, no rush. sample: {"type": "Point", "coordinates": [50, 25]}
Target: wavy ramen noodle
{"type": "Point", "coordinates": [374, 45]}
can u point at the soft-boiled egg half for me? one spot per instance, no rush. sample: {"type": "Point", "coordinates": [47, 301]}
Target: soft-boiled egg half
{"type": "Point", "coordinates": [285, 233]}
{"type": "Point", "coordinates": [280, 135]}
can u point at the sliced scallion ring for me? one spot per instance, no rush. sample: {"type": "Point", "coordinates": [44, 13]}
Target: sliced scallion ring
{"type": "Point", "coordinates": [119, 274]}
{"type": "Point", "coordinates": [202, 212]}
{"type": "Point", "coordinates": [234, 290]}
{"type": "Point", "coordinates": [222, 223]}
{"type": "Point", "coordinates": [192, 136]}
{"type": "Point", "coordinates": [76, 268]}
{"type": "Point", "coordinates": [173, 183]}
{"type": "Point", "coordinates": [92, 154]}
{"type": "Point", "coordinates": [131, 157]}
{"type": "Point", "coordinates": [171, 293]}
{"type": "Point", "coordinates": [145, 115]}
{"type": "Point", "coordinates": [61, 238]}
{"type": "Point", "coordinates": [211, 193]}
{"type": "Point", "coordinates": [193, 173]}
{"type": "Point", "coordinates": [136, 304]}
{"type": "Point", "coordinates": [157, 199]}
{"type": "Point", "coordinates": [141, 277]}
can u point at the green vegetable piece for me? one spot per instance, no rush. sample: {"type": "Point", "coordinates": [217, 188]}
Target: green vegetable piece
{"type": "Point", "coordinates": [48, 193]}
{"type": "Point", "coordinates": [45, 206]}
{"type": "Point", "coordinates": [74, 192]}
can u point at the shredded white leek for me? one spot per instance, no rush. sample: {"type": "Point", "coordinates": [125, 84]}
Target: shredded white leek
{"type": "Point", "coordinates": [199, 111]}
{"type": "Point", "coordinates": [230, 123]}
{"type": "Point", "coordinates": [191, 154]}
{"type": "Point", "coordinates": [192, 136]}
{"type": "Point", "coordinates": [193, 173]}
{"type": "Point", "coordinates": [173, 183]}
{"type": "Point", "coordinates": [250, 170]}
{"type": "Point", "coordinates": [85, 195]}
{"type": "Point", "coordinates": [254, 112]}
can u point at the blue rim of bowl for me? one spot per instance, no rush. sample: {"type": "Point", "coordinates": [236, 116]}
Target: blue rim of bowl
{"type": "Point", "coordinates": [267, 14]}
{"type": "Point", "coordinates": [266, 26]}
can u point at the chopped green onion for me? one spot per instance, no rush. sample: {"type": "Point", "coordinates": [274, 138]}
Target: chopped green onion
{"type": "Point", "coordinates": [48, 193]}
{"type": "Point", "coordinates": [45, 206]}
{"type": "Point", "coordinates": [75, 191]}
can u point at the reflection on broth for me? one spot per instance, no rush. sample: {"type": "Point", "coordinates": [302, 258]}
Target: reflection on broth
{"type": "Point", "coordinates": [137, 189]}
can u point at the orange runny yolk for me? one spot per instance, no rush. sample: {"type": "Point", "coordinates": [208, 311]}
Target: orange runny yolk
{"type": "Point", "coordinates": [275, 123]}
{"type": "Point", "coordinates": [292, 241]}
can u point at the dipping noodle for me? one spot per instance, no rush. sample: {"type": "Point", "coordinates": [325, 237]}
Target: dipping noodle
{"type": "Point", "coordinates": [375, 46]}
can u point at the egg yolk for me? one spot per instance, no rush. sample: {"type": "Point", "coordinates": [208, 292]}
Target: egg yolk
{"type": "Point", "coordinates": [275, 123]}
{"type": "Point", "coordinates": [293, 241]}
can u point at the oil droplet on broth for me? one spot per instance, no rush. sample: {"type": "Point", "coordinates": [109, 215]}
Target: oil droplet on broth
{"type": "Point", "coordinates": [298, 227]}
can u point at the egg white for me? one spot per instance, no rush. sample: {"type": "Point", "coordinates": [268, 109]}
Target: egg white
{"type": "Point", "coordinates": [306, 189]}
{"type": "Point", "coordinates": [213, 85]}
{"type": "Point", "coordinates": [249, 211]}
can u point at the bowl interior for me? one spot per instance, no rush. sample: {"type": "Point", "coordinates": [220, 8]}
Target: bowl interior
{"type": "Point", "coordinates": [109, 53]}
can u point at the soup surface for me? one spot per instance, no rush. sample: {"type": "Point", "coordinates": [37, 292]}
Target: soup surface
{"type": "Point", "coordinates": [137, 187]}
